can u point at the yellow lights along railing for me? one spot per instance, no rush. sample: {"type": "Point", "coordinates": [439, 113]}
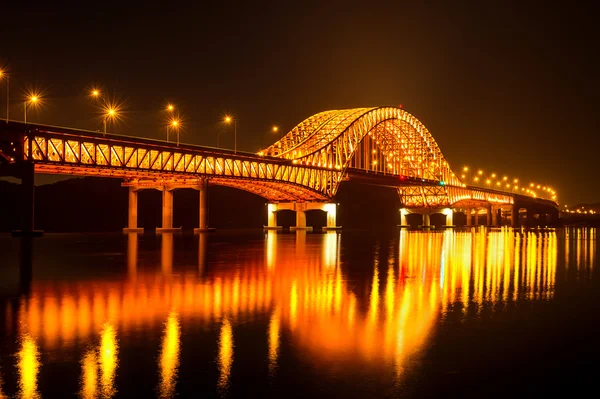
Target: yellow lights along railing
{"type": "Point", "coordinates": [384, 140]}
{"type": "Point", "coordinates": [580, 210]}
{"type": "Point", "coordinates": [502, 182]}
{"type": "Point", "coordinates": [77, 154]}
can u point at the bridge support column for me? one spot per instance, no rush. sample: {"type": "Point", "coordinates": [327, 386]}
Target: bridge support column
{"type": "Point", "coordinates": [514, 217]}
{"type": "Point", "coordinates": [132, 213]}
{"type": "Point", "coordinates": [488, 216]}
{"type": "Point", "coordinates": [300, 208]}
{"type": "Point", "coordinates": [167, 212]}
{"type": "Point", "coordinates": [494, 216]}
{"type": "Point", "coordinates": [476, 218]}
{"type": "Point", "coordinates": [272, 217]}
{"type": "Point", "coordinates": [331, 210]}
{"type": "Point", "coordinates": [449, 212]}
{"type": "Point", "coordinates": [426, 221]}
{"type": "Point", "coordinates": [27, 174]}
{"type": "Point", "coordinates": [203, 211]}
{"type": "Point", "coordinates": [403, 221]}
{"type": "Point", "coordinates": [468, 214]}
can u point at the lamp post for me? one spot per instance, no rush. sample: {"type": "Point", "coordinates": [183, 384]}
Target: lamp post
{"type": "Point", "coordinates": [33, 99]}
{"type": "Point", "coordinates": [96, 94]}
{"type": "Point", "coordinates": [229, 120]}
{"type": "Point", "coordinates": [175, 124]}
{"type": "Point", "coordinates": [170, 108]}
{"type": "Point", "coordinates": [467, 174]}
{"type": "Point", "coordinates": [110, 113]}
{"type": "Point", "coordinates": [2, 75]}
{"type": "Point", "coordinates": [275, 131]}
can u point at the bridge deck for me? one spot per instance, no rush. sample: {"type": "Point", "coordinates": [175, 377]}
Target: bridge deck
{"type": "Point", "coordinates": [59, 150]}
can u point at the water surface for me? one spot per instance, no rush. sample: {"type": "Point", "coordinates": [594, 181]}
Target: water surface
{"type": "Point", "coordinates": [253, 314]}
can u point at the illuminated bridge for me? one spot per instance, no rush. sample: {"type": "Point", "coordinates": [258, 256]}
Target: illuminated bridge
{"type": "Point", "coordinates": [383, 146]}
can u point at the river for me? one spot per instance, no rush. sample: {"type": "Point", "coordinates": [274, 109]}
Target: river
{"type": "Point", "coordinates": [360, 314]}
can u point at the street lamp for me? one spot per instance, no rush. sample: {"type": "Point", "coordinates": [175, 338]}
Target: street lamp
{"type": "Point", "coordinates": [169, 108]}
{"type": "Point", "coordinates": [96, 94]}
{"type": "Point", "coordinates": [467, 174]}
{"type": "Point", "coordinates": [33, 100]}
{"type": "Point", "coordinates": [175, 123]}
{"type": "Point", "coordinates": [2, 75]}
{"type": "Point", "coordinates": [275, 130]}
{"type": "Point", "coordinates": [110, 112]}
{"type": "Point", "coordinates": [228, 119]}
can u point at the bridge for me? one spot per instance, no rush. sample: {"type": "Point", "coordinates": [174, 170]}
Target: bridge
{"type": "Point", "coordinates": [385, 146]}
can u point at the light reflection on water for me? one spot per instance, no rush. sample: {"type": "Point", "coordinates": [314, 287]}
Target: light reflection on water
{"type": "Point", "coordinates": [301, 284]}
{"type": "Point", "coordinates": [169, 356]}
{"type": "Point", "coordinates": [225, 354]}
{"type": "Point", "coordinates": [28, 365]}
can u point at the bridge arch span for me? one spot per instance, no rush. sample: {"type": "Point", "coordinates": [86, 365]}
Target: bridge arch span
{"type": "Point", "coordinates": [380, 139]}
{"type": "Point", "coordinates": [272, 191]}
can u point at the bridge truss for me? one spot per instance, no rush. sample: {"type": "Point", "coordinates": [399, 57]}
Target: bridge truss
{"type": "Point", "coordinates": [384, 140]}
{"type": "Point", "coordinates": [141, 160]}
{"type": "Point", "coordinates": [306, 165]}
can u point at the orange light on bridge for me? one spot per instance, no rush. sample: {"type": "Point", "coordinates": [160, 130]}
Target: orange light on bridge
{"type": "Point", "coordinates": [170, 107]}
{"type": "Point", "coordinates": [480, 172]}
{"type": "Point", "coordinates": [111, 113]}
{"type": "Point", "coordinates": [95, 93]}
{"type": "Point", "coordinates": [229, 120]}
{"type": "Point", "coordinates": [175, 123]}
{"type": "Point", "coordinates": [275, 129]}
{"type": "Point", "coordinates": [31, 99]}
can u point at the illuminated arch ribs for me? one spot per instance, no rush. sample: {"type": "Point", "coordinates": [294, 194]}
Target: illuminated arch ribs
{"type": "Point", "coordinates": [273, 191]}
{"type": "Point", "coordinates": [438, 196]}
{"type": "Point", "coordinates": [384, 140]}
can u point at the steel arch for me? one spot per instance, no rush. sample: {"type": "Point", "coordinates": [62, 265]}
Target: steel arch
{"type": "Point", "coordinates": [380, 139]}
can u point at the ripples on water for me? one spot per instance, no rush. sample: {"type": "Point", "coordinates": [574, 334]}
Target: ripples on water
{"type": "Point", "coordinates": [314, 314]}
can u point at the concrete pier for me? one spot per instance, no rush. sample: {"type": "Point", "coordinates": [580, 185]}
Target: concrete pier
{"type": "Point", "coordinates": [203, 211]}
{"type": "Point", "coordinates": [449, 212]}
{"type": "Point", "coordinates": [403, 222]}
{"type": "Point", "coordinates": [132, 214]}
{"type": "Point", "coordinates": [272, 217]}
{"type": "Point", "coordinates": [167, 213]}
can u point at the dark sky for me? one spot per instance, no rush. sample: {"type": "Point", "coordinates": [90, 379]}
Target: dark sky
{"type": "Point", "coordinates": [510, 87]}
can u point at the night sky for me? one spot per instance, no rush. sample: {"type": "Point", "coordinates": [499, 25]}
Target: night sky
{"type": "Point", "coordinates": [511, 88]}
